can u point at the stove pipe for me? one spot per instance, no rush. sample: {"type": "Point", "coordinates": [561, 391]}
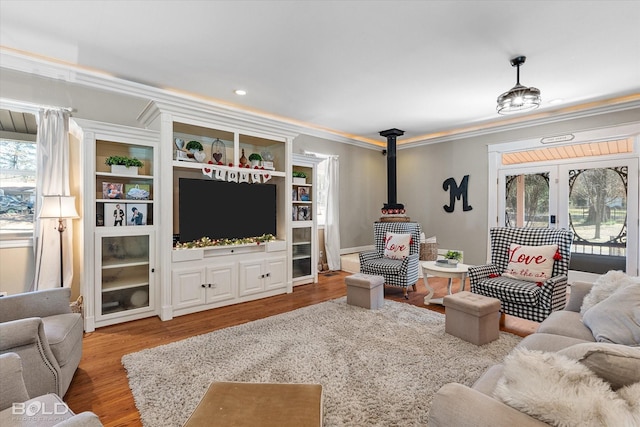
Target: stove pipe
{"type": "Point", "coordinates": [392, 206]}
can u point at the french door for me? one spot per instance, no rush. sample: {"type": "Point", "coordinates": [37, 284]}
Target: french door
{"type": "Point", "coordinates": [597, 200]}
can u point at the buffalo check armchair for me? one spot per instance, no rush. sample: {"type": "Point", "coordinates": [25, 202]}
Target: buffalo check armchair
{"type": "Point", "coordinates": [532, 300]}
{"type": "Point", "coordinates": [396, 272]}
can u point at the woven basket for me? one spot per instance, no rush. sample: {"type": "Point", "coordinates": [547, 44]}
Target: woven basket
{"type": "Point", "coordinates": [428, 251]}
{"type": "Point", "coordinates": [77, 306]}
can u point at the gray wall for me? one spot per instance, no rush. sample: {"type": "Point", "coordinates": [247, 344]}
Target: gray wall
{"type": "Point", "coordinates": [422, 170]}
{"type": "Point", "coordinates": [363, 186]}
{"type": "Point", "coordinates": [88, 103]}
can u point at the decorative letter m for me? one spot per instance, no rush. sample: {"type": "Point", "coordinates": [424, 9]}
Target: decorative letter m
{"type": "Point", "coordinates": [455, 192]}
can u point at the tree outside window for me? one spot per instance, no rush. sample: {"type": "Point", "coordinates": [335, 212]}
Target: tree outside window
{"type": "Point", "coordinates": [17, 186]}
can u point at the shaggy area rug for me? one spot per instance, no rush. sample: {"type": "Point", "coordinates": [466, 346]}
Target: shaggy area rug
{"type": "Point", "coordinates": [376, 367]}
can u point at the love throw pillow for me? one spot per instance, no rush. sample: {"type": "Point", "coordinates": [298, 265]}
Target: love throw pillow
{"type": "Point", "coordinates": [397, 246]}
{"type": "Point", "coordinates": [531, 263]}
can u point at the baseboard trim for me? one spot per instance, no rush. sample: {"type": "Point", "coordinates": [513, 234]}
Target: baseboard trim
{"type": "Point", "coordinates": [356, 249]}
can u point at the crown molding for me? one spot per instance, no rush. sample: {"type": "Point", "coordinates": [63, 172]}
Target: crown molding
{"type": "Point", "coordinates": [116, 132]}
{"type": "Point", "coordinates": [171, 100]}
{"type": "Point", "coordinates": [542, 118]}
{"type": "Point", "coordinates": [174, 100]}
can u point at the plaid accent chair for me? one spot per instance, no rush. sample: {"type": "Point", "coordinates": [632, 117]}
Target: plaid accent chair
{"type": "Point", "coordinates": [527, 300]}
{"type": "Point", "coordinates": [402, 273]}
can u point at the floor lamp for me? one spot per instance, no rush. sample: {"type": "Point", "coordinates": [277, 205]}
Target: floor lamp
{"type": "Point", "coordinates": [60, 207]}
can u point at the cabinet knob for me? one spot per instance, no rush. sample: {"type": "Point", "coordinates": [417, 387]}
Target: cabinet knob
{"type": "Point", "coordinates": [153, 270]}
{"type": "Point", "coordinates": [268, 274]}
{"type": "Point", "coordinates": [203, 285]}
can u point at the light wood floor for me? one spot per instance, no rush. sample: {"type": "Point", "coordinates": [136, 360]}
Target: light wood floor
{"type": "Point", "coordinates": [100, 383]}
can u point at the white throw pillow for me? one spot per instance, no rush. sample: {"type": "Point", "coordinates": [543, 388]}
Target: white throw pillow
{"type": "Point", "coordinates": [616, 319]}
{"type": "Point", "coordinates": [563, 392]}
{"type": "Point", "coordinates": [397, 245]}
{"type": "Point", "coordinates": [605, 286]}
{"type": "Point", "coordinates": [531, 263]}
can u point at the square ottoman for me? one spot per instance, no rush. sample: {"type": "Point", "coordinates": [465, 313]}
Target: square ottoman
{"type": "Point", "coordinates": [365, 290]}
{"type": "Point", "coordinates": [472, 317]}
{"type": "Point", "coordinates": [239, 404]}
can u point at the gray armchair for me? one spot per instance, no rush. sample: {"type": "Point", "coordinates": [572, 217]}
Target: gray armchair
{"type": "Point", "coordinates": [402, 273]}
{"type": "Point", "coordinates": [17, 409]}
{"type": "Point", "coordinates": [40, 327]}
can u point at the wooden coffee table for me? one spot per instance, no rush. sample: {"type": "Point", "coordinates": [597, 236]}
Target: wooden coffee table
{"type": "Point", "coordinates": [435, 269]}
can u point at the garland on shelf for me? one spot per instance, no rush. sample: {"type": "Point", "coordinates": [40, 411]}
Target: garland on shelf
{"type": "Point", "coordinates": [223, 173]}
{"type": "Point", "coordinates": [206, 242]}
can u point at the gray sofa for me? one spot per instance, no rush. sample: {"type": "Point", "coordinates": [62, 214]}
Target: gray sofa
{"type": "Point", "coordinates": [40, 327]}
{"type": "Point", "coordinates": [17, 409]}
{"type": "Point", "coordinates": [562, 332]}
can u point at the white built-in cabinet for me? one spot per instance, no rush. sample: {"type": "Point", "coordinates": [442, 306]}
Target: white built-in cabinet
{"type": "Point", "coordinates": [206, 278]}
{"type": "Point", "coordinates": [133, 271]}
{"type": "Point", "coordinates": [262, 275]}
{"type": "Point", "coordinates": [202, 278]}
{"type": "Point", "coordinates": [304, 222]}
{"type": "Point", "coordinates": [119, 279]}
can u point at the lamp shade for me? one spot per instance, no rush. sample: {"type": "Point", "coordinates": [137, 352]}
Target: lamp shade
{"type": "Point", "coordinates": [58, 207]}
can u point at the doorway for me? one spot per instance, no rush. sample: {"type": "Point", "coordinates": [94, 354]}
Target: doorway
{"type": "Point", "coordinates": [596, 197]}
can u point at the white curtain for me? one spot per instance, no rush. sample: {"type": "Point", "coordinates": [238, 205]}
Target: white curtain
{"type": "Point", "coordinates": [332, 220]}
{"type": "Point", "coordinates": [52, 178]}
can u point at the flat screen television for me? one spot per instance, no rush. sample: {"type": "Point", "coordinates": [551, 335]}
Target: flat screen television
{"type": "Point", "coordinates": [221, 209]}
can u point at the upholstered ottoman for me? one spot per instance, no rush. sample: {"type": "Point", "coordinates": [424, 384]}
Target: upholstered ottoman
{"type": "Point", "coordinates": [472, 317]}
{"type": "Point", "coordinates": [365, 290]}
{"type": "Point", "coordinates": [239, 404]}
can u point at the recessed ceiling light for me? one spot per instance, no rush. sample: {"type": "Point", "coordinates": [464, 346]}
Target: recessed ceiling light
{"type": "Point", "coordinates": [240, 92]}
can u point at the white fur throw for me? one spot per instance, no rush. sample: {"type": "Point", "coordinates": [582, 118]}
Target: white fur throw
{"type": "Point", "coordinates": [605, 286]}
{"type": "Point", "coordinates": [563, 392]}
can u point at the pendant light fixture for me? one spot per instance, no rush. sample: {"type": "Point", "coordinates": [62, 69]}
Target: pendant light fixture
{"type": "Point", "coordinates": [519, 98]}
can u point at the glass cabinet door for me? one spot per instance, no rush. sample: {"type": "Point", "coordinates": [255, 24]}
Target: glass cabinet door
{"type": "Point", "coordinates": [124, 273]}
{"type": "Point", "coordinates": [301, 252]}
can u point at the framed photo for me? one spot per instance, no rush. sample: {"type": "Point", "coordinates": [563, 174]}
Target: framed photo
{"type": "Point", "coordinates": [112, 190]}
{"type": "Point", "coordinates": [304, 213]}
{"type": "Point", "coordinates": [137, 191]}
{"type": "Point", "coordinates": [115, 215]}
{"type": "Point", "coordinates": [136, 214]}
{"type": "Point", "coordinates": [303, 194]}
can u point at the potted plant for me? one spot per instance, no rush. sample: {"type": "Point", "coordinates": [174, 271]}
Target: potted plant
{"type": "Point", "coordinates": [299, 177]}
{"type": "Point", "coordinates": [255, 159]}
{"type": "Point", "coordinates": [124, 165]}
{"type": "Point", "coordinates": [196, 150]}
{"type": "Point", "coordinates": [194, 146]}
{"type": "Point", "coordinates": [454, 257]}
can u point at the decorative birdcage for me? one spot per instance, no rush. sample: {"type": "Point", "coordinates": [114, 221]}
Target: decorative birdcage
{"type": "Point", "coordinates": [218, 152]}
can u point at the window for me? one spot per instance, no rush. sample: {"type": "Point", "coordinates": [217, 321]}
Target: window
{"type": "Point", "coordinates": [17, 186]}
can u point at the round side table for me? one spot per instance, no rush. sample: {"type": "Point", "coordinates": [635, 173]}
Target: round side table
{"type": "Point", "coordinates": [433, 268]}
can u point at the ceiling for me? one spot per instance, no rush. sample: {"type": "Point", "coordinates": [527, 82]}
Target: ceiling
{"type": "Point", "coordinates": [13, 122]}
{"type": "Point", "coordinates": [353, 68]}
